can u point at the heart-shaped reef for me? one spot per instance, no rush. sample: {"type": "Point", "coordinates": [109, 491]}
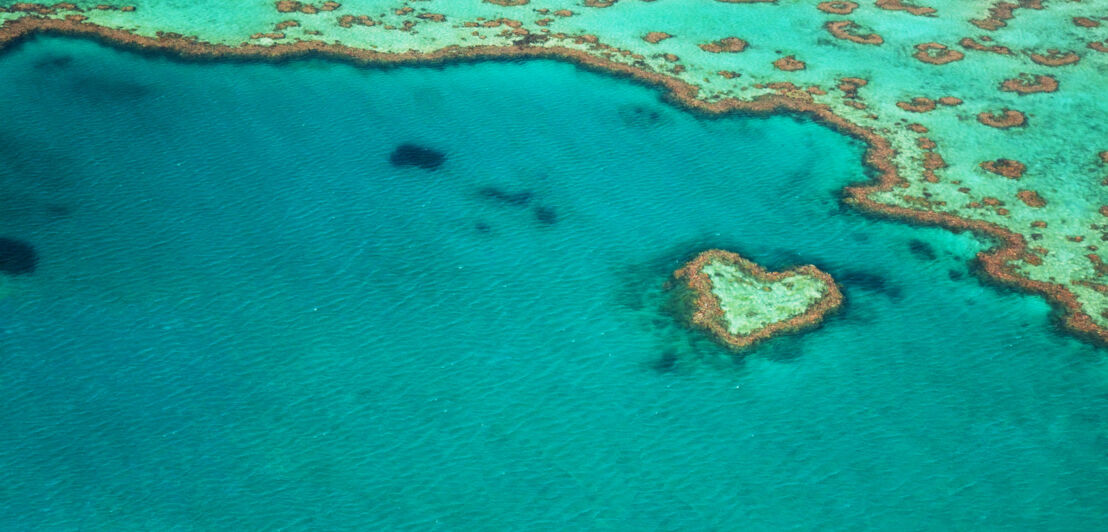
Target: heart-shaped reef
{"type": "Point", "coordinates": [739, 303]}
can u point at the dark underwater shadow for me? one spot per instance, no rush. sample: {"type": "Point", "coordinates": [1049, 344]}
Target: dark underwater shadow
{"type": "Point", "coordinates": [32, 179]}
{"type": "Point", "coordinates": [66, 72]}
{"type": "Point", "coordinates": [53, 62]}
{"type": "Point", "coordinates": [641, 116]}
{"type": "Point", "coordinates": [107, 89]}
{"type": "Point", "coordinates": [17, 256]}
{"type": "Point", "coordinates": [412, 155]}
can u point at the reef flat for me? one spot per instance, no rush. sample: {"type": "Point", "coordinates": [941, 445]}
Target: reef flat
{"type": "Point", "coordinates": [978, 116]}
{"type": "Point", "coordinates": [740, 303]}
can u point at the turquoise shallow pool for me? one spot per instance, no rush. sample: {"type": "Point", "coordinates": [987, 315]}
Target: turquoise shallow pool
{"type": "Point", "coordinates": [244, 316]}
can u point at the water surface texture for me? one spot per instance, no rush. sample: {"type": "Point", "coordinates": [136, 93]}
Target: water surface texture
{"type": "Point", "coordinates": [249, 310]}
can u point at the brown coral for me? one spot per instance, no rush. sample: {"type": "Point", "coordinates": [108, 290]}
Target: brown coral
{"type": "Point", "coordinates": [1003, 119]}
{"type": "Point", "coordinates": [850, 86]}
{"type": "Point", "coordinates": [933, 161]}
{"type": "Point", "coordinates": [837, 8]}
{"type": "Point", "coordinates": [789, 64]}
{"type": "Point", "coordinates": [846, 30]}
{"type": "Point", "coordinates": [919, 104]}
{"type": "Point", "coordinates": [727, 44]}
{"type": "Point", "coordinates": [1031, 198]}
{"type": "Point", "coordinates": [998, 14]}
{"type": "Point", "coordinates": [897, 5]}
{"type": "Point", "coordinates": [1010, 168]}
{"type": "Point", "coordinates": [290, 6]}
{"type": "Point", "coordinates": [937, 54]}
{"type": "Point", "coordinates": [971, 44]}
{"type": "Point", "coordinates": [347, 21]}
{"type": "Point", "coordinates": [1028, 84]}
{"type": "Point", "coordinates": [1055, 58]}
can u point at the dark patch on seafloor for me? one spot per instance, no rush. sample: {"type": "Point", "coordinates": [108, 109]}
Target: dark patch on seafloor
{"type": "Point", "coordinates": [640, 115]}
{"type": "Point", "coordinates": [921, 250]}
{"type": "Point", "coordinates": [546, 215]}
{"type": "Point", "coordinates": [408, 154]}
{"type": "Point", "coordinates": [515, 199]}
{"type": "Point", "coordinates": [29, 161]}
{"type": "Point", "coordinates": [106, 89]}
{"type": "Point", "coordinates": [785, 347]}
{"type": "Point", "coordinates": [666, 362]}
{"type": "Point", "coordinates": [869, 281]}
{"type": "Point", "coordinates": [58, 210]}
{"type": "Point", "coordinates": [17, 257]}
{"type": "Point", "coordinates": [53, 62]}
{"type": "Point", "coordinates": [482, 228]}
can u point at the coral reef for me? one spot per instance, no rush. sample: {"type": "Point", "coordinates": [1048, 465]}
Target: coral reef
{"type": "Point", "coordinates": [739, 303]}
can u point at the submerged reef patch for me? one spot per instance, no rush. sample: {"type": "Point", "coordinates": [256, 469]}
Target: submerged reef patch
{"type": "Point", "coordinates": [1030, 84]}
{"type": "Point", "coordinates": [727, 44]}
{"type": "Point", "coordinates": [848, 30]}
{"type": "Point", "coordinates": [415, 155]}
{"type": "Point", "coordinates": [970, 44]}
{"type": "Point", "coordinates": [655, 37]}
{"type": "Point", "coordinates": [53, 62]}
{"type": "Point", "coordinates": [514, 199]}
{"type": "Point", "coordinates": [789, 63]}
{"type": "Point", "coordinates": [898, 5]}
{"type": "Point", "coordinates": [740, 304]}
{"type": "Point", "coordinates": [837, 8]}
{"type": "Point", "coordinates": [1055, 57]}
{"type": "Point", "coordinates": [640, 115]}
{"type": "Point", "coordinates": [1010, 168]}
{"type": "Point", "coordinates": [871, 282]}
{"type": "Point", "coordinates": [17, 257]}
{"type": "Point", "coordinates": [937, 54]}
{"type": "Point", "coordinates": [1003, 119]}
{"type": "Point", "coordinates": [546, 215]}
{"type": "Point", "coordinates": [921, 250]}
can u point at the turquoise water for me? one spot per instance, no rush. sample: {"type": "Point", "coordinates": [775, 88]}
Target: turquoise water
{"type": "Point", "coordinates": [243, 316]}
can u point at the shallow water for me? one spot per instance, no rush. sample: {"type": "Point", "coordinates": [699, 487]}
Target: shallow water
{"type": "Point", "coordinates": [243, 315]}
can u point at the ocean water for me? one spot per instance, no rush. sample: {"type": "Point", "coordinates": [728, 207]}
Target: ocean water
{"type": "Point", "coordinates": [245, 316]}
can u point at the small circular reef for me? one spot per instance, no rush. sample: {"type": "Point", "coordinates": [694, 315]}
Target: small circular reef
{"type": "Point", "coordinates": [739, 303]}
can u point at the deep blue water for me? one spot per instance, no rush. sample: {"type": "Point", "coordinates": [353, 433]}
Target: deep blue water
{"type": "Point", "coordinates": [244, 316]}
